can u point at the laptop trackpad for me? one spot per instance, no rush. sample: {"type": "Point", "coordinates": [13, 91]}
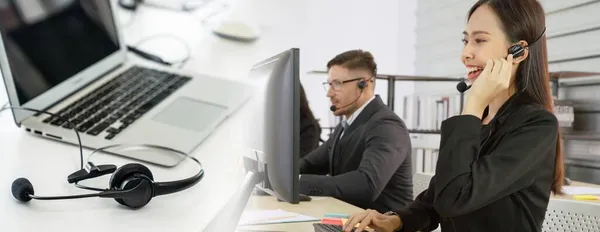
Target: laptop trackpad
{"type": "Point", "coordinates": [190, 114]}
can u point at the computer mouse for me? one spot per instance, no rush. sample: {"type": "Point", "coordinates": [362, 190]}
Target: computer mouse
{"type": "Point", "coordinates": [568, 181]}
{"type": "Point", "coordinates": [237, 30]}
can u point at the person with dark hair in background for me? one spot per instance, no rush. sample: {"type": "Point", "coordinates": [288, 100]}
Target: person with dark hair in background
{"type": "Point", "coordinates": [310, 130]}
{"type": "Point", "coordinates": [501, 159]}
{"type": "Point", "coordinates": [366, 162]}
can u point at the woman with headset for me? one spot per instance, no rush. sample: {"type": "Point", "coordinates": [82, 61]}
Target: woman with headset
{"type": "Point", "coordinates": [310, 130]}
{"type": "Point", "coordinates": [501, 159]}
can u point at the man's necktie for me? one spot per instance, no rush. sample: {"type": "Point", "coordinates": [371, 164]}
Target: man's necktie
{"type": "Point", "coordinates": [345, 126]}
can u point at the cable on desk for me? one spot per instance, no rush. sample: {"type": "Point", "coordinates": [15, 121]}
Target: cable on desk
{"type": "Point", "coordinates": [181, 62]}
{"type": "Point", "coordinates": [74, 126]}
{"type": "Point", "coordinates": [3, 105]}
{"type": "Point", "coordinates": [131, 20]}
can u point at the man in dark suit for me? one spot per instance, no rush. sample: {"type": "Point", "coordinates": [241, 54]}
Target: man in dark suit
{"type": "Point", "coordinates": [366, 162]}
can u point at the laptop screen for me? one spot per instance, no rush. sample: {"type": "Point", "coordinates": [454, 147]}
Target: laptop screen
{"type": "Point", "coordinates": [48, 41]}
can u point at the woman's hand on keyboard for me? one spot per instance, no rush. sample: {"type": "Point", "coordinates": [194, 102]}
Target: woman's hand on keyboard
{"type": "Point", "coordinates": [373, 219]}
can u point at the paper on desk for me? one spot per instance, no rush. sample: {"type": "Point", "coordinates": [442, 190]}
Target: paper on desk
{"type": "Point", "coordinates": [257, 217]}
{"type": "Point", "coordinates": [581, 190]}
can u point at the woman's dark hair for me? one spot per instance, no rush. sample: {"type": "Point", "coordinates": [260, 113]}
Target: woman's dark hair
{"type": "Point", "coordinates": [525, 20]}
{"type": "Point", "coordinates": [305, 111]}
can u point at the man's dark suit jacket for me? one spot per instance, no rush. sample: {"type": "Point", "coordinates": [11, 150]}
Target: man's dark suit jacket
{"type": "Point", "coordinates": [370, 166]}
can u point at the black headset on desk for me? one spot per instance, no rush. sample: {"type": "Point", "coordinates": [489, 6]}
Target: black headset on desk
{"type": "Point", "coordinates": [131, 185]}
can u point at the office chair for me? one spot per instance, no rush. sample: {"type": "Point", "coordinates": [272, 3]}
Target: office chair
{"type": "Point", "coordinates": [571, 215]}
{"type": "Point", "coordinates": [420, 182]}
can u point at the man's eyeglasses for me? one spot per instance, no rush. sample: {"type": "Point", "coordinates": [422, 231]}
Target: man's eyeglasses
{"type": "Point", "coordinates": [337, 84]}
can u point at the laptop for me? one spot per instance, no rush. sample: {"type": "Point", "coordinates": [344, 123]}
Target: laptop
{"type": "Point", "coordinates": [69, 58]}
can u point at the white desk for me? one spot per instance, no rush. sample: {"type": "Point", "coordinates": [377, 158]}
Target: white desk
{"type": "Point", "coordinates": [46, 163]}
{"type": "Point", "coordinates": [317, 208]}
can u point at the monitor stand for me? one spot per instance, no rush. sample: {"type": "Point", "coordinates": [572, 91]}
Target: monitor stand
{"type": "Point", "coordinates": [302, 197]}
{"type": "Point", "coordinates": [260, 192]}
{"type": "Point", "coordinates": [228, 217]}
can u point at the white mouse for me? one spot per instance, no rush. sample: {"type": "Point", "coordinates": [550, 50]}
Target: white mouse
{"type": "Point", "coordinates": [237, 30]}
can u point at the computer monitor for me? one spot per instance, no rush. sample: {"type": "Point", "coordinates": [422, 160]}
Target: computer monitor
{"type": "Point", "coordinates": [277, 123]}
{"type": "Point", "coordinates": [275, 143]}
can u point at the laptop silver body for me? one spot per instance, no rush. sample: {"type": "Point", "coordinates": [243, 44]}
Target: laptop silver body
{"type": "Point", "coordinates": [36, 77]}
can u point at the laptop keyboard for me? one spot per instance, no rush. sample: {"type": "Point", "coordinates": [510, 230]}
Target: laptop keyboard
{"type": "Point", "coordinates": [120, 102]}
{"type": "Point", "coordinates": [320, 227]}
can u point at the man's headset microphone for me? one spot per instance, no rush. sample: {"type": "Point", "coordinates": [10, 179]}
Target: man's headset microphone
{"type": "Point", "coordinates": [131, 185]}
{"type": "Point", "coordinates": [362, 84]}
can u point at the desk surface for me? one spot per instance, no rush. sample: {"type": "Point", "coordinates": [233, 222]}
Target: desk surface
{"type": "Point", "coordinates": [318, 207]}
{"type": "Point", "coordinates": [577, 183]}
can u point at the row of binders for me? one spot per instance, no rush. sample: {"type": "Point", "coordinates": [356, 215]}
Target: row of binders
{"type": "Point", "coordinates": [426, 112]}
{"type": "Point", "coordinates": [425, 160]}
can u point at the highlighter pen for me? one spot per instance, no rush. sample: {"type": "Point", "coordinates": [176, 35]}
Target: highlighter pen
{"type": "Point", "coordinates": [586, 197]}
{"type": "Point", "coordinates": [337, 215]}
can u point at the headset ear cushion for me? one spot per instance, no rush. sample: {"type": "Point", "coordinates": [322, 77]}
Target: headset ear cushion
{"type": "Point", "coordinates": [125, 172]}
{"type": "Point", "coordinates": [516, 50]}
{"type": "Point", "coordinates": [362, 84]}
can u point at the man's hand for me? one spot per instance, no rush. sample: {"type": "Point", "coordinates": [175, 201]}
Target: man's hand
{"type": "Point", "coordinates": [373, 219]}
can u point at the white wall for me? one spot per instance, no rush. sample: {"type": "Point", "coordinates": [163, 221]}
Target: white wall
{"type": "Point", "coordinates": [384, 27]}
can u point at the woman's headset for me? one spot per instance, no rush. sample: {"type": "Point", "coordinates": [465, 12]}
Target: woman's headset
{"type": "Point", "coordinates": [516, 50]}
{"type": "Point", "coordinates": [131, 185]}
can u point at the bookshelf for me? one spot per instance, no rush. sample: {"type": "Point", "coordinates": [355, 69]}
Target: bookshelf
{"type": "Point", "coordinates": [425, 145]}
{"type": "Point", "coordinates": [578, 111]}
{"type": "Point", "coordinates": [555, 77]}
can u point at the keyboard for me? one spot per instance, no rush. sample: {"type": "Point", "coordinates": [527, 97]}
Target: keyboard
{"type": "Point", "coordinates": [118, 103]}
{"type": "Point", "coordinates": [320, 227]}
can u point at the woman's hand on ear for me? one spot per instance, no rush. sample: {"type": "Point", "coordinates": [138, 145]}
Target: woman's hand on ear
{"type": "Point", "coordinates": [493, 80]}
